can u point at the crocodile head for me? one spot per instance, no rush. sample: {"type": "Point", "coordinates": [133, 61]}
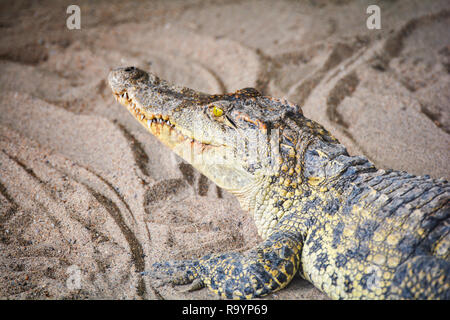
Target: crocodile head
{"type": "Point", "coordinates": [230, 138]}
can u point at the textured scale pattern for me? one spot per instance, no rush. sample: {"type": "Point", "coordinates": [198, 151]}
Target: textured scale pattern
{"type": "Point", "coordinates": [354, 231]}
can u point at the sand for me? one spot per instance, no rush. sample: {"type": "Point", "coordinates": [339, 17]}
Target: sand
{"type": "Point", "coordinates": [88, 198]}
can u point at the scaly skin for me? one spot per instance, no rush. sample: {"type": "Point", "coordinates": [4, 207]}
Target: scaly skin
{"type": "Point", "coordinates": [352, 230]}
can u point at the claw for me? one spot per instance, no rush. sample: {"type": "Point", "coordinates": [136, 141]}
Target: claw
{"type": "Point", "coordinates": [175, 273]}
{"type": "Point", "coordinates": [197, 284]}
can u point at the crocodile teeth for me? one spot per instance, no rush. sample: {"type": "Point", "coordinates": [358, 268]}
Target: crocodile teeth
{"type": "Point", "coordinates": [142, 117]}
{"type": "Point", "coordinates": [149, 122]}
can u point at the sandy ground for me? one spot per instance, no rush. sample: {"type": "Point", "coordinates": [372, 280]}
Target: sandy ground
{"type": "Point", "coordinates": [88, 198]}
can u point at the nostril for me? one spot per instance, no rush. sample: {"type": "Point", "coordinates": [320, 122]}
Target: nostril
{"type": "Point", "coordinates": [129, 69]}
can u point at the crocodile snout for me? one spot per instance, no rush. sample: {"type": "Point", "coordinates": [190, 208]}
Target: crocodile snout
{"type": "Point", "coordinates": [121, 78]}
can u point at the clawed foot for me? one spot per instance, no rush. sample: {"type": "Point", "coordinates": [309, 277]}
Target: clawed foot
{"type": "Point", "coordinates": [265, 269]}
{"type": "Point", "coordinates": [176, 273]}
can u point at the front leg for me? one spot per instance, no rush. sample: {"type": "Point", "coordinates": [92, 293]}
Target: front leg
{"type": "Point", "coordinates": [258, 272]}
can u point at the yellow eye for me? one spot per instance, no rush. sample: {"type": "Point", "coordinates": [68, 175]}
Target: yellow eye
{"type": "Point", "coordinates": [217, 111]}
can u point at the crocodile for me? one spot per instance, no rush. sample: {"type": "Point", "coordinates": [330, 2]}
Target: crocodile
{"type": "Point", "coordinates": [352, 230]}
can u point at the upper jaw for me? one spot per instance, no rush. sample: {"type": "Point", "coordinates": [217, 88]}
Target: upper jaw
{"type": "Point", "coordinates": [139, 113]}
{"type": "Point", "coordinates": [149, 119]}
{"type": "Point", "coordinates": [149, 106]}
{"type": "Point", "coordinates": [122, 97]}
